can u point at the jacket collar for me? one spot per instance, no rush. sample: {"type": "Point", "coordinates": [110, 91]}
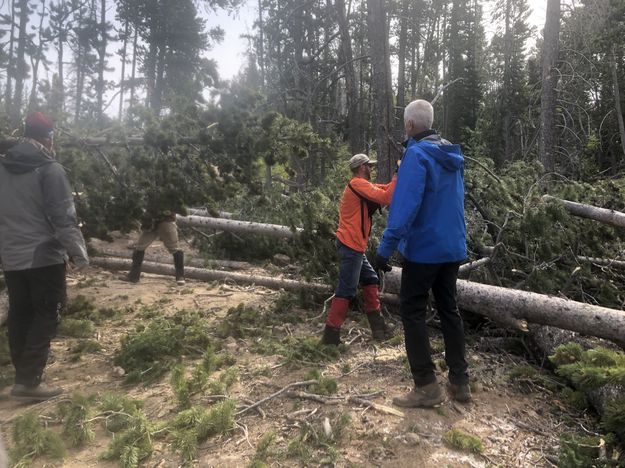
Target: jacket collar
{"type": "Point", "coordinates": [419, 136]}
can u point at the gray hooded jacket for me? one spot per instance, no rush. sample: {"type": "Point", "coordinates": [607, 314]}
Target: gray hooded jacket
{"type": "Point", "coordinates": [38, 225]}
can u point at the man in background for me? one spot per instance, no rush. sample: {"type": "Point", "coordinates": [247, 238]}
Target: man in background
{"type": "Point", "coordinates": [426, 225]}
{"type": "Point", "coordinates": [361, 198]}
{"type": "Point", "coordinates": [39, 239]}
{"type": "Point", "coordinates": [163, 228]}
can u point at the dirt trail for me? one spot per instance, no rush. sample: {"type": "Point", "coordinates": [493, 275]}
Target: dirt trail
{"type": "Point", "coordinates": [517, 426]}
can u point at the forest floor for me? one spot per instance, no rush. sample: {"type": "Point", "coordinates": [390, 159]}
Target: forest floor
{"type": "Point", "coordinates": [517, 420]}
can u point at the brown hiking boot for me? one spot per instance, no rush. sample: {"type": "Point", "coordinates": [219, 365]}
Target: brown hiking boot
{"type": "Point", "coordinates": [459, 392]}
{"type": "Point", "coordinates": [331, 336]}
{"type": "Point", "coordinates": [128, 279]}
{"type": "Point", "coordinates": [39, 392]}
{"type": "Point", "coordinates": [427, 396]}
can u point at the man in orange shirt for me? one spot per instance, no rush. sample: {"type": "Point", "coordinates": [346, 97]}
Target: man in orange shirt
{"type": "Point", "coordinates": [360, 200]}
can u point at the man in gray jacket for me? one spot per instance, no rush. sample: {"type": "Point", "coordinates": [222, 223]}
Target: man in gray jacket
{"type": "Point", "coordinates": [39, 237]}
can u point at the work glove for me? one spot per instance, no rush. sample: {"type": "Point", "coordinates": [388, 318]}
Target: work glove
{"type": "Point", "coordinates": [381, 264]}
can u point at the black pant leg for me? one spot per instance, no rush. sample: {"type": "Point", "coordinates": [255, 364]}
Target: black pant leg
{"type": "Point", "coordinates": [416, 281]}
{"type": "Point", "coordinates": [444, 289]}
{"type": "Point", "coordinates": [20, 312]}
{"type": "Point", "coordinates": [48, 296]}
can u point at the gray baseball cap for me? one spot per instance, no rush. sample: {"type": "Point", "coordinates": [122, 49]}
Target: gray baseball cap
{"type": "Point", "coordinates": [359, 159]}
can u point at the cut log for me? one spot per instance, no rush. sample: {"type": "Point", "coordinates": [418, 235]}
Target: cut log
{"type": "Point", "coordinates": [213, 275]}
{"type": "Point", "coordinates": [205, 212]}
{"type": "Point", "coordinates": [603, 215]}
{"type": "Point", "coordinates": [511, 304]}
{"type": "Point", "coordinates": [168, 259]}
{"type": "Point", "coordinates": [273, 230]}
{"type": "Point", "coordinates": [392, 279]}
{"type": "Point", "coordinates": [502, 305]}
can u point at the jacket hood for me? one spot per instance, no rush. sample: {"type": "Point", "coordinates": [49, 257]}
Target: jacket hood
{"type": "Point", "coordinates": [25, 157]}
{"type": "Point", "coordinates": [442, 151]}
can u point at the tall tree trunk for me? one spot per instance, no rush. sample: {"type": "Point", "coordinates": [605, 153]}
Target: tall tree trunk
{"type": "Point", "coordinates": [21, 66]}
{"type": "Point", "coordinates": [156, 100]}
{"type": "Point", "coordinates": [380, 84]}
{"type": "Point", "coordinates": [617, 99]}
{"type": "Point", "coordinates": [8, 96]}
{"type": "Point", "coordinates": [351, 90]}
{"type": "Point", "coordinates": [123, 73]}
{"type": "Point", "coordinates": [507, 81]}
{"type": "Point", "coordinates": [80, 73]}
{"type": "Point", "coordinates": [261, 44]}
{"type": "Point", "coordinates": [36, 60]}
{"type": "Point", "coordinates": [61, 70]}
{"type": "Point", "coordinates": [401, 69]}
{"type": "Point", "coordinates": [150, 68]}
{"type": "Point", "coordinates": [133, 71]}
{"type": "Point", "coordinates": [549, 83]}
{"type": "Point", "coordinates": [101, 61]}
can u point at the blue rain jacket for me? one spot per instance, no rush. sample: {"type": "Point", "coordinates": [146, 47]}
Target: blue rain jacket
{"type": "Point", "coordinates": [426, 220]}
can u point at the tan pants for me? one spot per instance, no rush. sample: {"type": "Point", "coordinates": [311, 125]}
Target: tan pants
{"type": "Point", "coordinates": [166, 231]}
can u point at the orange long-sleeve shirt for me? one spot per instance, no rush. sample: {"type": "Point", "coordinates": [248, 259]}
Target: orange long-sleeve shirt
{"type": "Point", "coordinates": [354, 220]}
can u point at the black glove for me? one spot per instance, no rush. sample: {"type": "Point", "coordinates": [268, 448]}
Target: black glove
{"type": "Point", "coordinates": [381, 264]}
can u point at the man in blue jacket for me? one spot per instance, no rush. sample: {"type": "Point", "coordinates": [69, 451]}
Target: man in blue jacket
{"type": "Point", "coordinates": [426, 225]}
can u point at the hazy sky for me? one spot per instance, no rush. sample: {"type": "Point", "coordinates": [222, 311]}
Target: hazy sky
{"type": "Point", "coordinates": [229, 54]}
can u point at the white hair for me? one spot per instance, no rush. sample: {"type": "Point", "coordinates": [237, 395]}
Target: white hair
{"type": "Point", "coordinates": [421, 113]}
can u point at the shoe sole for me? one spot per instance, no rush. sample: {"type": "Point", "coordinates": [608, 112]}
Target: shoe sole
{"type": "Point", "coordinates": [431, 403]}
{"type": "Point", "coordinates": [26, 398]}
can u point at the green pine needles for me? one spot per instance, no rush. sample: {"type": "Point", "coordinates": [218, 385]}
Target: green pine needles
{"type": "Point", "coordinates": [589, 369]}
{"type": "Point", "coordinates": [77, 427]}
{"type": "Point", "coordinates": [32, 440]}
{"type": "Point", "coordinates": [185, 386]}
{"type": "Point", "coordinates": [324, 385]}
{"type": "Point", "coordinates": [133, 443]}
{"type": "Point", "coordinates": [148, 353]}
{"type": "Point", "coordinates": [194, 425]}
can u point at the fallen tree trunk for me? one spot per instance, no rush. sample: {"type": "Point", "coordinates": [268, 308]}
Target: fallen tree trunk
{"type": "Point", "coordinates": [502, 305]}
{"type": "Point", "coordinates": [168, 259]}
{"type": "Point", "coordinates": [246, 227]}
{"type": "Point", "coordinates": [603, 215]}
{"type": "Point", "coordinates": [607, 262]}
{"type": "Point", "coordinates": [213, 275]}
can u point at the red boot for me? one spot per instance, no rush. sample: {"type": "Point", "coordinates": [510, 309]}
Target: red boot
{"type": "Point", "coordinates": [336, 317]}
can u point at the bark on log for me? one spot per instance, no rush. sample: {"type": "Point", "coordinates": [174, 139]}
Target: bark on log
{"type": "Point", "coordinates": [587, 319]}
{"type": "Point", "coordinates": [273, 230]}
{"type": "Point", "coordinates": [392, 279]}
{"type": "Point", "coordinates": [205, 212]}
{"type": "Point", "coordinates": [168, 259]}
{"type": "Point", "coordinates": [603, 215]}
{"type": "Point", "coordinates": [502, 305]}
{"type": "Point", "coordinates": [4, 307]}
{"type": "Point", "coordinates": [213, 275]}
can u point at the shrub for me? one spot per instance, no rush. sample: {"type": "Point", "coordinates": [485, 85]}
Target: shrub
{"type": "Point", "coordinates": [460, 440]}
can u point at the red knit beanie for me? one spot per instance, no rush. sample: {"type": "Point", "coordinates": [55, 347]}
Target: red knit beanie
{"type": "Point", "coordinates": [37, 125]}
